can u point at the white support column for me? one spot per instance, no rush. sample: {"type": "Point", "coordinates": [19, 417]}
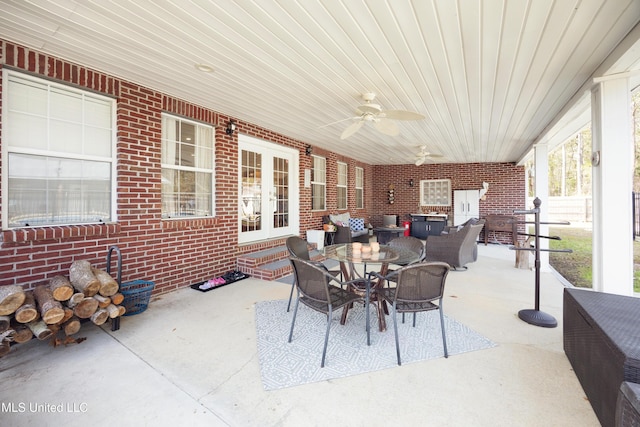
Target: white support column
{"type": "Point", "coordinates": [541, 191]}
{"type": "Point", "coordinates": [612, 166]}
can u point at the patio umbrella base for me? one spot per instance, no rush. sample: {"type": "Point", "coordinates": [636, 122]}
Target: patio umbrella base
{"type": "Point", "coordinates": [538, 318]}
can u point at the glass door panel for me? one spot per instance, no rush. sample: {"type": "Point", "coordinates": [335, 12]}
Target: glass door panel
{"type": "Point", "coordinates": [268, 190]}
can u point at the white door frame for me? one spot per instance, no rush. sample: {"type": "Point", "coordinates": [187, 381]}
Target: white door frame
{"type": "Point", "coordinates": [269, 150]}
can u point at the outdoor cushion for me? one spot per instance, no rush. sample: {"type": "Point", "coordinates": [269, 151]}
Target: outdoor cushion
{"type": "Point", "coordinates": [356, 224]}
{"type": "Point", "coordinates": [340, 219]}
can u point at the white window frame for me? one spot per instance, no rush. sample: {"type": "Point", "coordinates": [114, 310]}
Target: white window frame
{"type": "Point", "coordinates": [319, 181]}
{"type": "Point", "coordinates": [435, 192]}
{"type": "Point", "coordinates": [359, 188]}
{"type": "Point", "coordinates": [196, 207]}
{"type": "Point", "coordinates": [54, 122]}
{"type": "Point", "coordinates": [342, 184]}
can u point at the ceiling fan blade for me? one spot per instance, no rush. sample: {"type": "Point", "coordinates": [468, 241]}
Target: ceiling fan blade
{"type": "Point", "coordinates": [351, 129]}
{"type": "Point", "coordinates": [369, 108]}
{"type": "Point", "coordinates": [420, 161]}
{"type": "Point", "coordinates": [338, 121]}
{"type": "Point", "coordinates": [402, 115]}
{"type": "Point", "coordinates": [387, 127]}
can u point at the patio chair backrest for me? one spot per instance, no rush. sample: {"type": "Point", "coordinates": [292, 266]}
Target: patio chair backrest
{"type": "Point", "coordinates": [298, 247]}
{"type": "Point", "coordinates": [422, 282]}
{"type": "Point", "coordinates": [410, 243]}
{"type": "Point", "coordinates": [312, 279]}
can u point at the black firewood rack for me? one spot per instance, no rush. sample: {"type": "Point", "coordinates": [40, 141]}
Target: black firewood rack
{"type": "Point", "coordinates": [535, 316]}
{"type": "Point", "coordinates": [115, 323]}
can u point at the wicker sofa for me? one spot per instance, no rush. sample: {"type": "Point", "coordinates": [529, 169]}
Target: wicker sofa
{"type": "Point", "coordinates": [601, 337]}
{"type": "Point", "coordinates": [348, 229]}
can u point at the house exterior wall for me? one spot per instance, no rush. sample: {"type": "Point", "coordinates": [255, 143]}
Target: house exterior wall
{"type": "Point", "coordinates": [177, 253]}
{"type": "Point", "coordinates": [172, 253]}
{"type": "Point", "coordinates": [506, 188]}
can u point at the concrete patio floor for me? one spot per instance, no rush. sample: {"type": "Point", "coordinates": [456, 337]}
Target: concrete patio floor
{"type": "Point", "coordinates": [191, 359]}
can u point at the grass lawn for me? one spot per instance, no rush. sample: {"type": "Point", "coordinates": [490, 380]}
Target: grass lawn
{"type": "Point", "coordinates": [576, 266]}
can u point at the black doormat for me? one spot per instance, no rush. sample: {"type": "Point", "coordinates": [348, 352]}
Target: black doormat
{"type": "Point", "coordinates": [229, 278]}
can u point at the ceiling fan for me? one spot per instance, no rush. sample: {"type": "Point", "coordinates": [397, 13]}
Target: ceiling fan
{"type": "Point", "coordinates": [423, 155]}
{"type": "Point", "coordinates": [382, 120]}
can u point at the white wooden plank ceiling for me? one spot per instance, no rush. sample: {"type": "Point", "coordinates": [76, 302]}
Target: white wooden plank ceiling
{"type": "Point", "coordinates": [488, 75]}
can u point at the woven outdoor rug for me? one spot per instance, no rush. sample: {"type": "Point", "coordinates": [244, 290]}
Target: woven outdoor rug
{"type": "Point", "coordinates": [284, 364]}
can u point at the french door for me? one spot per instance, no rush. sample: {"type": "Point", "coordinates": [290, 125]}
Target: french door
{"type": "Point", "coordinates": [268, 189]}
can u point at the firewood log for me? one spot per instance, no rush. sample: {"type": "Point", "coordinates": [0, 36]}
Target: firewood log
{"type": "Point", "coordinates": [11, 297]}
{"type": "Point", "coordinates": [75, 299]}
{"type": "Point", "coordinates": [27, 312]}
{"type": "Point", "coordinates": [117, 299]}
{"type": "Point", "coordinates": [85, 308]}
{"type": "Point", "coordinates": [4, 323]}
{"type": "Point", "coordinates": [40, 329]}
{"type": "Point", "coordinates": [21, 333]}
{"type": "Point", "coordinates": [122, 309]}
{"type": "Point", "coordinates": [68, 314]}
{"type": "Point", "coordinates": [61, 288]}
{"type": "Point", "coordinates": [50, 309]}
{"type": "Point", "coordinates": [83, 279]}
{"type": "Point", "coordinates": [103, 302]}
{"type": "Point", "coordinates": [5, 348]}
{"type": "Point", "coordinates": [108, 285]}
{"type": "Point", "coordinates": [113, 311]}
{"type": "Point", "coordinates": [54, 328]}
{"type": "Point", "coordinates": [100, 316]}
{"type": "Point", "coordinates": [71, 326]}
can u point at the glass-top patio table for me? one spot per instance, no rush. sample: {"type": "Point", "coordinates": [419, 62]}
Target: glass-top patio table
{"type": "Point", "coordinates": [348, 258]}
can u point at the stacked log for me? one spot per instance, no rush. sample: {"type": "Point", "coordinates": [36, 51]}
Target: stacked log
{"type": "Point", "coordinates": [27, 311]}
{"type": "Point", "coordinates": [83, 279]}
{"type": "Point", "coordinates": [11, 297]}
{"type": "Point", "coordinates": [58, 306]}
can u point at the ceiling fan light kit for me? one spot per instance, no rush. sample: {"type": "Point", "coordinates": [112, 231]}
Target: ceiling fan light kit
{"type": "Point", "coordinates": [382, 120]}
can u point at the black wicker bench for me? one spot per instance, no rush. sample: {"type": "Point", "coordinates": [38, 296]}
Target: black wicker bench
{"type": "Point", "coordinates": [628, 409]}
{"type": "Point", "coordinates": [602, 342]}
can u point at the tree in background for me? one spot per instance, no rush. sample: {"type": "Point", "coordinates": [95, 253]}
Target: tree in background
{"type": "Point", "coordinates": [570, 162]}
{"type": "Point", "coordinates": [570, 166]}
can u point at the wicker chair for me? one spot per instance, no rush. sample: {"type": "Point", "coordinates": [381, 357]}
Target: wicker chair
{"type": "Point", "coordinates": [418, 287]}
{"type": "Point", "coordinates": [315, 290]}
{"type": "Point", "coordinates": [457, 248]}
{"type": "Point", "coordinates": [407, 242]}
{"type": "Point", "coordinates": [297, 247]}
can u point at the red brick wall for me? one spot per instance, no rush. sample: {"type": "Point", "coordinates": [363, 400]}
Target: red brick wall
{"type": "Point", "coordinates": [506, 188]}
{"type": "Point", "coordinates": [173, 254]}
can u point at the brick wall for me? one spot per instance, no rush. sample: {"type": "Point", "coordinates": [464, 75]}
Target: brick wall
{"type": "Point", "coordinates": [172, 253]}
{"type": "Point", "coordinates": [506, 188]}
{"type": "Point", "coordinates": [177, 253]}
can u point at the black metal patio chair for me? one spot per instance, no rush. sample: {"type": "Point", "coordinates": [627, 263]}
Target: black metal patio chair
{"type": "Point", "coordinates": [419, 287]}
{"type": "Point", "coordinates": [298, 247]}
{"type": "Point", "coordinates": [315, 290]}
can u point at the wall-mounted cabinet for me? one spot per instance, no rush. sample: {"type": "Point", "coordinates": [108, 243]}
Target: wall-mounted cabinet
{"type": "Point", "coordinates": [435, 192]}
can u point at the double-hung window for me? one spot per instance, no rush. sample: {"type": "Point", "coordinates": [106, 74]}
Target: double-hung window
{"type": "Point", "coordinates": [59, 151]}
{"type": "Point", "coordinates": [342, 186]}
{"type": "Point", "coordinates": [319, 184]}
{"type": "Point", "coordinates": [187, 168]}
{"type": "Point", "coordinates": [359, 188]}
